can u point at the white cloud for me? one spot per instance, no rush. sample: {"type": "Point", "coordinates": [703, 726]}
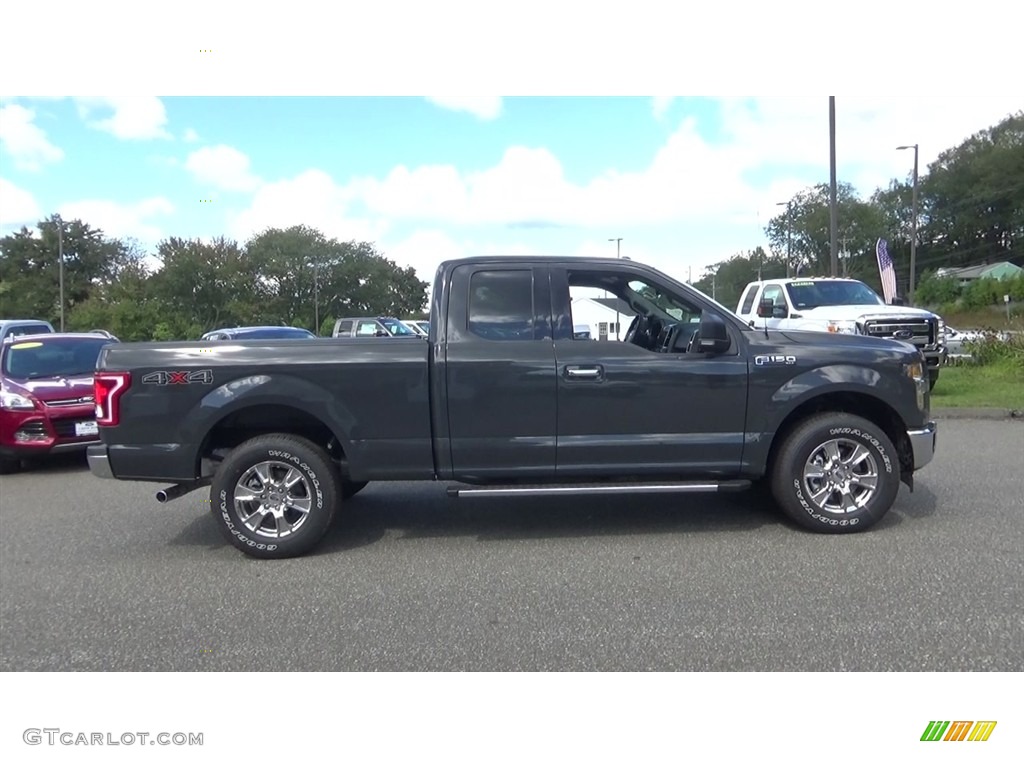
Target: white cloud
{"type": "Point", "coordinates": [18, 209]}
{"type": "Point", "coordinates": [223, 167]}
{"type": "Point", "coordinates": [24, 140]}
{"type": "Point", "coordinates": [483, 107]}
{"type": "Point", "coordinates": [423, 250]}
{"type": "Point", "coordinates": [661, 104]}
{"type": "Point", "coordinates": [121, 220]}
{"type": "Point", "coordinates": [311, 198]}
{"type": "Point", "coordinates": [190, 136]}
{"type": "Point", "coordinates": [766, 151]}
{"type": "Point", "coordinates": [133, 117]}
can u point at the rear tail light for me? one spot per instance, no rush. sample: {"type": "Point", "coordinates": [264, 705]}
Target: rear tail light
{"type": "Point", "coordinates": [108, 388]}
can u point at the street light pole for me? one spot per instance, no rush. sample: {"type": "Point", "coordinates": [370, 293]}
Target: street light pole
{"type": "Point", "coordinates": [833, 214]}
{"type": "Point", "coordinates": [60, 261]}
{"type": "Point", "coordinates": [789, 234]}
{"type": "Point", "coordinates": [913, 227]}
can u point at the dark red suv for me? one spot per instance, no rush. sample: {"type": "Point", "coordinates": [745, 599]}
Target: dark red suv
{"type": "Point", "coordinates": [46, 394]}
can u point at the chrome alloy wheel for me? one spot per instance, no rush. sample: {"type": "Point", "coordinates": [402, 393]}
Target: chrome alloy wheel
{"type": "Point", "coordinates": [841, 476]}
{"type": "Point", "coordinates": [273, 499]}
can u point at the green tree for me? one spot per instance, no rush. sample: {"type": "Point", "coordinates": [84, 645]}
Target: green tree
{"type": "Point", "coordinates": [973, 199]}
{"type": "Point", "coordinates": [30, 267]}
{"type": "Point", "coordinates": [935, 291]}
{"type": "Point", "coordinates": [205, 285]}
{"type": "Point", "coordinates": [303, 271]}
{"type": "Point", "coordinates": [804, 231]}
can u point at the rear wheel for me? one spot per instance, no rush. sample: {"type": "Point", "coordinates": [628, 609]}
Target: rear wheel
{"type": "Point", "coordinates": [836, 473]}
{"type": "Point", "coordinates": [275, 496]}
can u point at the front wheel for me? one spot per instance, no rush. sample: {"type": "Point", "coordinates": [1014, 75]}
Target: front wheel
{"type": "Point", "coordinates": [275, 496]}
{"type": "Point", "coordinates": [836, 473]}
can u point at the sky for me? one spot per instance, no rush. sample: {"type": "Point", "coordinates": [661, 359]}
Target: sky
{"type": "Point", "coordinates": [684, 181]}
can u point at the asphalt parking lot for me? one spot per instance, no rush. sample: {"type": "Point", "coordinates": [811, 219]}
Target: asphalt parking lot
{"type": "Point", "coordinates": [96, 575]}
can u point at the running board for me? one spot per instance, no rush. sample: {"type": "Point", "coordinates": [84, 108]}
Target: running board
{"type": "Point", "coordinates": [593, 489]}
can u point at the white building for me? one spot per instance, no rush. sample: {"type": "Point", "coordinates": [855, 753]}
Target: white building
{"type": "Point", "coordinates": [606, 318]}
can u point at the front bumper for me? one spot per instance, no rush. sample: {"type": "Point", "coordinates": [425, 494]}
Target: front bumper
{"type": "Point", "coordinates": [99, 462]}
{"type": "Point", "coordinates": [35, 450]}
{"type": "Point", "coordinates": [936, 358]}
{"type": "Point", "coordinates": [922, 443]}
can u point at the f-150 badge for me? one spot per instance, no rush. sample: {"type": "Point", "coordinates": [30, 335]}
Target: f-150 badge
{"type": "Point", "coordinates": [162, 378]}
{"type": "Point", "coordinates": [775, 360]}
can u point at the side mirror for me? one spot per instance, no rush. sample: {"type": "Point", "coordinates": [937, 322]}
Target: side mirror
{"type": "Point", "coordinates": [714, 336]}
{"type": "Point", "coordinates": [779, 311]}
{"type": "Point", "coordinates": [765, 308]}
{"type": "Point", "coordinates": [898, 301]}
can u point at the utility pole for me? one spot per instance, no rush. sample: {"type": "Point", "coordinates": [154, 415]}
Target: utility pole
{"type": "Point", "coordinates": [60, 267]}
{"type": "Point", "coordinates": [913, 227]}
{"type": "Point", "coordinates": [833, 213]}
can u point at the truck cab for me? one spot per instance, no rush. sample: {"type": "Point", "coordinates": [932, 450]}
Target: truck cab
{"type": "Point", "coordinates": [842, 306]}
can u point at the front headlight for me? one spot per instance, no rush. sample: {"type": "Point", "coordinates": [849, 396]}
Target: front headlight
{"type": "Point", "coordinates": [12, 401]}
{"type": "Point", "coordinates": [914, 370]}
{"type": "Point", "coordinates": [842, 326]}
{"type": "Point", "coordinates": [942, 332]}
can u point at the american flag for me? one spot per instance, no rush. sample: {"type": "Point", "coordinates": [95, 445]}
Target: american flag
{"type": "Point", "coordinates": [887, 271]}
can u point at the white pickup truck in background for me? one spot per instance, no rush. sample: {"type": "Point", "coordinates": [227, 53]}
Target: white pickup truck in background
{"type": "Point", "coordinates": [840, 305]}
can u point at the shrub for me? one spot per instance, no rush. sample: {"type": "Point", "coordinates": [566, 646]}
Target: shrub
{"type": "Point", "coordinates": [996, 349]}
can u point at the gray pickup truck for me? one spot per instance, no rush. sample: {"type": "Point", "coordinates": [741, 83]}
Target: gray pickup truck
{"type": "Point", "coordinates": [501, 399]}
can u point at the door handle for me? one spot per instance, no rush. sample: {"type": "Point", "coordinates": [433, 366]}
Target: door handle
{"type": "Point", "coordinates": [583, 371]}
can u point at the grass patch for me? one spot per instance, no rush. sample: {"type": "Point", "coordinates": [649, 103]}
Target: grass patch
{"type": "Point", "coordinates": [982, 319]}
{"type": "Point", "coordinates": [987, 386]}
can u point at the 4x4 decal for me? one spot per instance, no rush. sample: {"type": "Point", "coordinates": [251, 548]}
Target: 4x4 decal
{"type": "Point", "coordinates": [162, 378]}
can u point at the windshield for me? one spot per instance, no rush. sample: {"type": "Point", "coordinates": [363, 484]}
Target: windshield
{"type": "Point", "coordinates": [47, 359]}
{"type": "Point", "coordinates": [397, 327]}
{"type": "Point", "coordinates": [808, 294]}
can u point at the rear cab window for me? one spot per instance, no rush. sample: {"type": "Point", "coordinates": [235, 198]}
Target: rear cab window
{"type": "Point", "coordinates": [501, 305]}
{"type": "Point", "coordinates": [748, 299]}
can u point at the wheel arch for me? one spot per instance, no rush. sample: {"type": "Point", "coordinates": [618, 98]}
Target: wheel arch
{"type": "Point", "coordinates": [255, 419]}
{"type": "Point", "coordinates": [874, 409]}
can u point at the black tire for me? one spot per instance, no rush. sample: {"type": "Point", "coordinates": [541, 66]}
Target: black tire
{"type": "Point", "coordinates": [285, 529]}
{"type": "Point", "coordinates": [350, 489]}
{"type": "Point", "coordinates": [795, 484]}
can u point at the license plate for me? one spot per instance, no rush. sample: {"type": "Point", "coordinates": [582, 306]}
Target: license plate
{"type": "Point", "coordinates": [84, 428]}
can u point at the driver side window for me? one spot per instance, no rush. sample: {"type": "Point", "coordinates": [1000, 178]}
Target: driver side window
{"type": "Point", "coordinates": [647, 314]}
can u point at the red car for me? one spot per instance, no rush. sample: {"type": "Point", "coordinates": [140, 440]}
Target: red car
{"type": "Point", "coordinates": [46, 395]}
